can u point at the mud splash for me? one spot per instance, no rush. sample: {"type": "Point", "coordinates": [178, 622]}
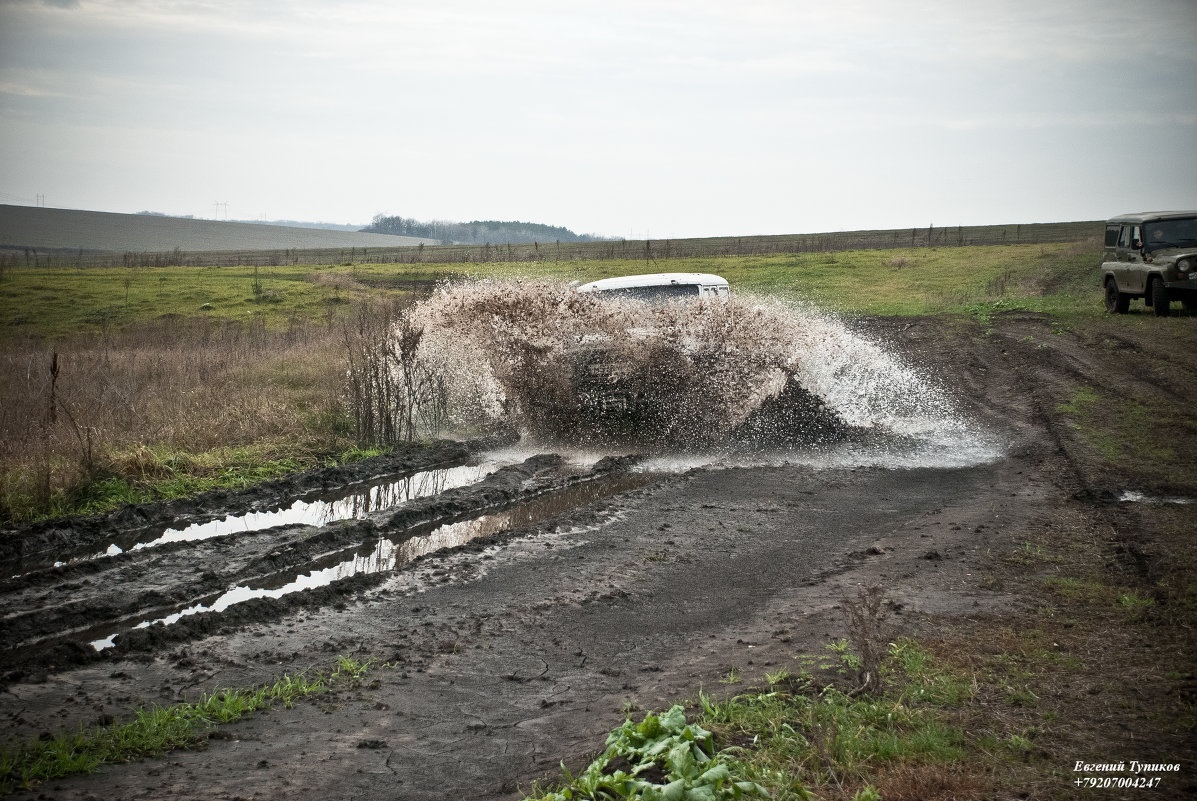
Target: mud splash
{"type": "Point", "coordinates": [569, 369]}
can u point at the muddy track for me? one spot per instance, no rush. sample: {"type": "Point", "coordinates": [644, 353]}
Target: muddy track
{"type": "Point", "coordinates": [172, 593]}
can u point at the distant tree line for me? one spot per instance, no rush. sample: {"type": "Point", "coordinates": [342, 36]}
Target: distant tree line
{"type": "Point", "coordinates": [477, 232]}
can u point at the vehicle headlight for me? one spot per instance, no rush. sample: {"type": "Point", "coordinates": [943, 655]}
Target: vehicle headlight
{"type": "Point", "coordinates": [1184, 265]}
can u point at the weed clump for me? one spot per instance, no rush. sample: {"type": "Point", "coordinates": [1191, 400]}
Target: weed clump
{"type": "Point", "coordinates": [865, 617]}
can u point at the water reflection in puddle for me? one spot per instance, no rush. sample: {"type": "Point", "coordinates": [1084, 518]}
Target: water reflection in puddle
{"type": "Point", "coordinates": [387, 555]}
{"type": "Point", "coordinates": [1131, 496]}
{"type": "Point", "coordinates": [319, 512]}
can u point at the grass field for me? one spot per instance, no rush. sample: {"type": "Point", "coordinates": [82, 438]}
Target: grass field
{"type": "Point", "coordinates": [59, 302]}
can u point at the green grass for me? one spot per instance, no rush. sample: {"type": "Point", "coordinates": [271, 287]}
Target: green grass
{"type": "Point", "coordinates": [157, 730]}
{"type": "Point", "coordinates": [1136, 433]}
{"type": "Point", "coordinates": [1053, 278]}
{"type": "Point", "coordinates": [56, 302]}
{"type": "Point", "coordinates": [1084, 590]}
{"type": "Point", "coordinates": [1056, 278]}
{"type": "Point", "coordinates": [791, 741]}
{"type": "Point", "coordinates": [1099, 594]}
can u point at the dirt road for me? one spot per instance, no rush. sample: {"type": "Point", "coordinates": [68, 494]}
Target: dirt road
{"type": "Point", "coordinates": [511, 648]}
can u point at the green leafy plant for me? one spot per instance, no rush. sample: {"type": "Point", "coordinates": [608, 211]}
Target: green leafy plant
{"type": "Point", "coordinates": [662, 758]}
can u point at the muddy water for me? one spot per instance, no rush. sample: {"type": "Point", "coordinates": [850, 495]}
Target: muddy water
{"type": "Point", "coordinates": [567, 369]}
{"type": "Point", "coordinates": [387, 555]}
{"type": "Point", "coordinates": [353, 504]}
{"type": "Point", "coordinates": [1132, 496]}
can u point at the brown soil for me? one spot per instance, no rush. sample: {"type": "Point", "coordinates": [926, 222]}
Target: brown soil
{"type": "Point", "coordinates": [513, 653]}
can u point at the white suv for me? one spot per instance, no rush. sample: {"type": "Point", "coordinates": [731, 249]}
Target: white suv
{"type": "Point", "coordinates": [607, 384]}
{"type": "Point", "coordinates": [660, 287]}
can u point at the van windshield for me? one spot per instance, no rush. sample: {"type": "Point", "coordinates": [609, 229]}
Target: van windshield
{"type": "Point", "coordinates": [662, 293]}
{"type": "Point", "coordinates": [1162, 234]}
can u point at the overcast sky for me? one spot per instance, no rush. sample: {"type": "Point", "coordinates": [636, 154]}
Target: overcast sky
{"type": "Point", "coordinates": [641, 118]}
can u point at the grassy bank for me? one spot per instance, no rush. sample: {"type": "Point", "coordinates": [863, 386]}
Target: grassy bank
{"type": "Point", "coordinates": [158, 730]}
{"type": "Point", "coordinates": [170, 406]}
{"type": "Point", "coordinates": [798, 735]}
{"type": "Point", "coordinates": [982, 708]}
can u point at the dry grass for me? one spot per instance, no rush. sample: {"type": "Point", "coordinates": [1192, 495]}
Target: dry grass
{"type": "Point", "coordinates": [120, 401]}
{"type": "Point", "coordinates": [932, 783]}
{"type": "Point", "coordinates": [338, 281]}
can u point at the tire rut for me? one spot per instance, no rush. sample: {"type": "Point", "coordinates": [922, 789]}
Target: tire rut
{"type": "Point", "coordinates": [52, 615]}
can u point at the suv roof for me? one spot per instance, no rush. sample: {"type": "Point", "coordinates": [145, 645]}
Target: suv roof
{"type": "Point", "coordinates": [1146, 216]}
{"type": "Point", "coordinates": [653, 279]}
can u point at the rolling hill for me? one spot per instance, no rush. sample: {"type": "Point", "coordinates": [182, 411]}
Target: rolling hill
{"type": "Point", "coordinates": [62, 230]}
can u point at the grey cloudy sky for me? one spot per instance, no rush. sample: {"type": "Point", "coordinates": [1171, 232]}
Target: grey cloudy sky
{"type": "Point", "coordinates": [640, 118]}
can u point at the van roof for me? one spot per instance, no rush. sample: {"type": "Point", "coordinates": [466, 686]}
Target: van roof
{"type": "Point", "coordinates": [653, 279]}
{"type": "Point", "coordinates": [1148, 216]}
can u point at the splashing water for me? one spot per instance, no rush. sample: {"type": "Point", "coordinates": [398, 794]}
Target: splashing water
{"type": "Point", "coordinates": [572, 369]}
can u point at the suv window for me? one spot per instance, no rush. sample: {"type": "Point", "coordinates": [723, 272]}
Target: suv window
{"type": "Point", "coordinates": [1112, 235]}
{"type": "Point", "coordinates": [1131, 238]}
{"type": "Point", "coordinates": [1170, 234]}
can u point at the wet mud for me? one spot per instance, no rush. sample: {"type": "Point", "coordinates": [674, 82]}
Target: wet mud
{"type": "Point", "coordinates": [139, 599]}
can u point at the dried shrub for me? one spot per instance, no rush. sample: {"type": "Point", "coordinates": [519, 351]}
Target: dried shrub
{"type": "Point", "coordinates": [394, 395]}
{"type": "Point", "coordinates": [865, 616]}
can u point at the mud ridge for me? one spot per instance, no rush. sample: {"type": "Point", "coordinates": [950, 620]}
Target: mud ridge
{"type": "Point", "coordinates": [80, 531]}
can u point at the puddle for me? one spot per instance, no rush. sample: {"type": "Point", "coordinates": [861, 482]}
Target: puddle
{"type": "Point", "coordinates": [354, 504]}
{"type": "Point", "coordinates": [1131, 496]}
{"type": "Point", "coordinates": [923, 454]}
{"type": "Point", "coordinates": [388, 555]}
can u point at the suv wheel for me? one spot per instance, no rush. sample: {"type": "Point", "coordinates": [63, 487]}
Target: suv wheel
{"type": "Point", "coordinates": [1115, 300]}
{"type": "Point", "coordinates": [1159, 298]}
